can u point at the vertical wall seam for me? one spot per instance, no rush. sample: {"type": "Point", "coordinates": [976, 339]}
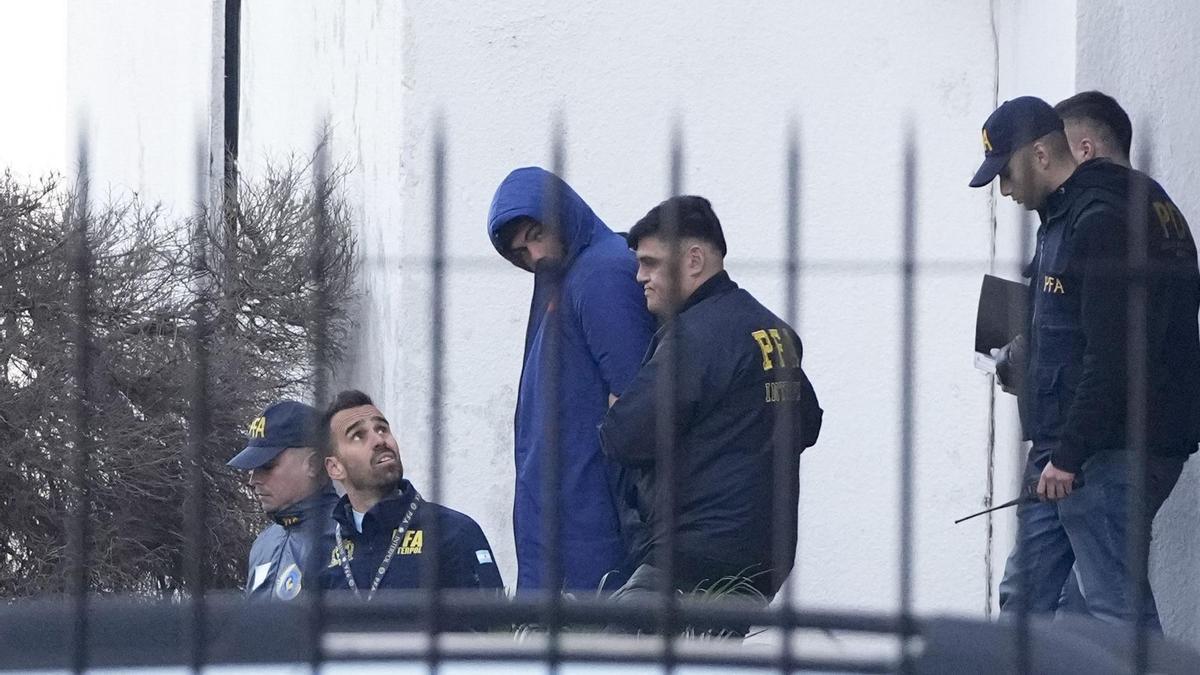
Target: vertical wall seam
{"type": "Point", "coordinates": [989, 542]}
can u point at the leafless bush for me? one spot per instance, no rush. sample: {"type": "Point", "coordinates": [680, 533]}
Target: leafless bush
{"type": "Point", "coordinates": [253, 296]}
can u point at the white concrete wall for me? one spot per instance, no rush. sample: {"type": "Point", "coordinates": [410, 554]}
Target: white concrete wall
{"type": "Point", "coordinates": [1145, 55]}
{"type": "Point", "coordinates": [852, 75]}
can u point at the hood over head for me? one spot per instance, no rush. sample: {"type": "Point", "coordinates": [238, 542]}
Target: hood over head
{"type": "Point", "coordinates": [533, 192]}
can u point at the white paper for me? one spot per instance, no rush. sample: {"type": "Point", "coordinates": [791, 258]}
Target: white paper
{"type": "Point", "coordinates": [260, 574]}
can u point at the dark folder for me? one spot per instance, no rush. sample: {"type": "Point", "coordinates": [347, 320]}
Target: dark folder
{"type": "Point", "coordinates": [1002, 313]}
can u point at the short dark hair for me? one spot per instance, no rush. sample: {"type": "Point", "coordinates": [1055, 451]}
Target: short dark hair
{"type": "Point", "coordinates": [691, 216]}
{"type": "Point", "coordinates": [1104, 111]}
{"type": "Point", "coordinates": [1057, 143]}
{"type": "Point", "coordinates": [349, 398]}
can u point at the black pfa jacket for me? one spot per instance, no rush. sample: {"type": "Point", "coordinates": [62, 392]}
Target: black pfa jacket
{"type": "Point", "coordinates": [1084, 289]}
{"type": "Point", "coordinates": [743, 410]}
{"type": "Point", "coordinates": [285, 558]}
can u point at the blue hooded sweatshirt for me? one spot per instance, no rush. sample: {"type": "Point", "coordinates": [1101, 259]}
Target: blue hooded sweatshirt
{"type": "Point", "coordinates": [588, 324]}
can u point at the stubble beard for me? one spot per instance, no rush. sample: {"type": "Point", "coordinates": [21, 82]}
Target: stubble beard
{"type": "Point", "coordinates": [376, 480]}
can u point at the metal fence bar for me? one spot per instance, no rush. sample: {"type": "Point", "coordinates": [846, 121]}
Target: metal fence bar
{"type": "Point", "coordinates": [345, 614]}
{"type": "Point", "coordinates": [552, 463]}
{"type": "Point", "coordinates": [907, 403]}
{"type": "Point", "coordinates": [232, 92]}
{"type": "Point", "coordinates": [319, 259]}
{"type": "Point", "coordinates": [785, 447]}
{"type": "Point", "coordinates": [79, 533]}
{"type": "Point", "coordinates": [1136, 402]}
{"type": "Point", "coordinates": [431, 562]}
{"type": "Point", "coordinates": [665, 465]}
{"type": "Point", "coordinates": [1024, 661]}
{"type": "Point", "coordinates": [199, 423]}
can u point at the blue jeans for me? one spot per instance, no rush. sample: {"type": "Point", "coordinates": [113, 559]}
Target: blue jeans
{"type": "Point", "coordinates": [1088, 530]}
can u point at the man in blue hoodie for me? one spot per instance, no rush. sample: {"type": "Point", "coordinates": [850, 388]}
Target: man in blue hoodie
{"type": "Point", "coordinates": [588, 330]}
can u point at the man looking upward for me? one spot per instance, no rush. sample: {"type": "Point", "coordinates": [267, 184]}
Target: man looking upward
{"type": "Point", "coordinates": [379, 538]}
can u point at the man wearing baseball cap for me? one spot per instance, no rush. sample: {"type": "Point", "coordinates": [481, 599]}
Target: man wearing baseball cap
{"type": "Point", "coordinates": [1097, 219]}
{"type": "Point", "coordinates": [289, 480]}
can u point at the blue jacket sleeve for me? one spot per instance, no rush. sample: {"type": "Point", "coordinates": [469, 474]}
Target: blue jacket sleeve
{"type": "Point", "coordinates": [617, 327]}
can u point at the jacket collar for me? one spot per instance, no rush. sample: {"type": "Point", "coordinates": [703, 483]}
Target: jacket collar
{"type": "Point", "coordinates": [719, 283]}
{"type": "Point", "coordinates": [1060, 199]}
{"type": "Point", "coordinates": [317, 505]}
{"type": "Point", "coordinates": [385, 515]}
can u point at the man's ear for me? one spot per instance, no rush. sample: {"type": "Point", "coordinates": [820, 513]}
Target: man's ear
{"type": "Point", "coordinates": [1041, 155]}
{"type": "Point", "coordinates": [334, 468]}
{"type": "Point", "coordinates": [1087, 148]}
{"type": "Point", "coordinates": [693, 260]}
{"type": "Point", "coordinates": [313, 465]}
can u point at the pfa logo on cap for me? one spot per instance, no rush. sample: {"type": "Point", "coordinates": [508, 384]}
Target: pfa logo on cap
{"type": "Point", "coordinates": [287, 587]}
{"type": "Point", "coordinates": [258, 427]}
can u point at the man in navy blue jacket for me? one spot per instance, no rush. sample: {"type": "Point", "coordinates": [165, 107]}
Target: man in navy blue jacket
{"type": "Point", "coordinates": [383, 528]}
{"type": "Point", "coordinates": [740, 411]}
{"type": "Point", "coordinates": [588, 329]}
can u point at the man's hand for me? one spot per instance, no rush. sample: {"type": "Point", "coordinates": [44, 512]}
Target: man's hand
{"type": "Point", "coordinates": [1054, 483]}
{"type": "Point", "coordinates": [1010, 365]}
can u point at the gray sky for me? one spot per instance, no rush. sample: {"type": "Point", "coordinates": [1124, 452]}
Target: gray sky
{"type": "Point", "coordinates": [33, 105]}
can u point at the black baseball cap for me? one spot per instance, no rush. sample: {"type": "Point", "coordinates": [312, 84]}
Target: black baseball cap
{"type": "Point", "coordinates": [1013, 125]}
{"type": "Point", "coordinates": [287, 424]}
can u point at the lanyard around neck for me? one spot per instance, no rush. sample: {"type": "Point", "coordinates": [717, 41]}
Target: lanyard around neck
{"type": "Point", "coordinates": [397, 537]}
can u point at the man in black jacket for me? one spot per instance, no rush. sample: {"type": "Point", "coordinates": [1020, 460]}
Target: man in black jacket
{"type": "Point", "coordinates": [383, 528]}
{"type": "Point", "coordinates": [1098, 220]}
{"type": "Point", "coordinates": [290, 483]}
{"type": "Point", "coordinates": [722, 403]}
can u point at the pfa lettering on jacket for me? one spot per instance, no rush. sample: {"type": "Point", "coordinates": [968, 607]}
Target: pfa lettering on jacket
{"type": "Point", "coordinates": [777, 347]}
